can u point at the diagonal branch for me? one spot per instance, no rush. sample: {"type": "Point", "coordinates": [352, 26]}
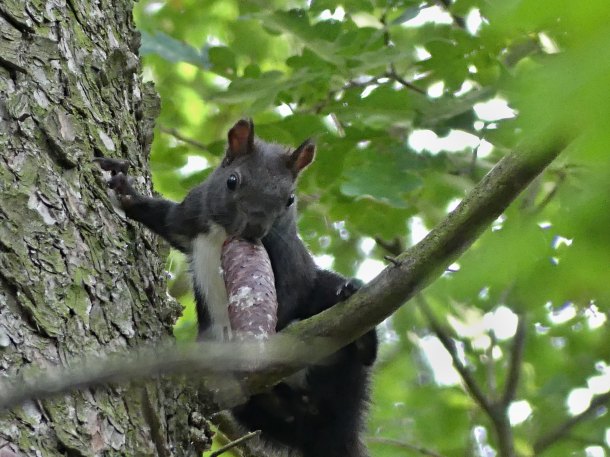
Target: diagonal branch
{"type": "Point", "coordinates": [176, 134]}
{"type": "Point", "coordinates": [393, 75]}
{"type": "Point", "coordinates": [343, 323]}
{"type": "Point", "coordinates": [423, 263]}
{"type": "Point", "coordinates": [562, 430]}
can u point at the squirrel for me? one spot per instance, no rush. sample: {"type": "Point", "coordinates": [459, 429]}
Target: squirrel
{"type": "Point", "coordinates": [251, 194]}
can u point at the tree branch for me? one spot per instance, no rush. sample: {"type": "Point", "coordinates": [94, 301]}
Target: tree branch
{"type": "Point", "coordinates": [230, 430]}
{"type": "Point", "coordinates": [496, 411]}
{"type": "Point", "coordinates": [176, 134]}
{"type": "Point", "coordinates": [393, 75]}
{"type": "Point", "coordinates": [421, 264]}
{"type": "Point", "coordinates": [562, 430]}
{"type": "Point", "coordinates": [490, 366]}
{"type": "Point", "coordinates": [337, 326]}
{"type": "Point", "coordinates": [514, 370]}
{"type": "Point", "coordinates": [449, 345]}
{"type": "Point", "coordinates": [203, 361]}
{"type": "Point", "coordinates": [394, 247]}
{"type": "Point", "coordinates": [504, 431]}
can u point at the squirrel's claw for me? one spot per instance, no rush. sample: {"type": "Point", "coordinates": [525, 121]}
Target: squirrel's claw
{"type": "Point", "coordinates": [114, 166]}
{"type": "Point", "coordinates": [121, 185]}
{"type": "Point", "coordinates": [348, 289]}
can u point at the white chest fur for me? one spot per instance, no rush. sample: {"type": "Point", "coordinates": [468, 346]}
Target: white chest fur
{"type": "Point", "coordinates": [207, 273]}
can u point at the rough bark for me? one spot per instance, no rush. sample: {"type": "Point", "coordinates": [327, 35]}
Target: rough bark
{"type": "Point", "coordinates": [76, 278]}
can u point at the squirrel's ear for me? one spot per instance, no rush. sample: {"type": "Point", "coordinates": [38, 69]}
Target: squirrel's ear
{"type": "Point", "coordinates": [302, 156]}
{"type": "Point", "coordinates": [241, 139]}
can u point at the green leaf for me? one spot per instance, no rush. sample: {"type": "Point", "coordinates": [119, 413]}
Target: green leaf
{"type": "Point", "coordinates": [317, 39]}
{"type": "Point", "coordinates": [222, 59]}
{"type": "Point", "coordinates": [384, 176]}
{"type": "Point", "coordinates": [365, 61]}
{"type": "Point", "coordinates": [374, 183]}
{"type": "Point", "coordinates": [432, 112]}
{"type": "Point", "coordinates": [381, 107]}
{"type": "Point", "coordinates": [247, 90]}
{"type": "Point", "coordinates": [407, 15]}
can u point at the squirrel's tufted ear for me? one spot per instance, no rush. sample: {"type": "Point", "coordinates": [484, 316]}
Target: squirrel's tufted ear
{"type": "Point", "coordinates": [302, 156]}
{"type": "Point", "coordinates": [241, 140]}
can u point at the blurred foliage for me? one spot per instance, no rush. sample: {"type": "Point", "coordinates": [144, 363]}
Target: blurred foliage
{"type": "Point", "coordinates": [394, 94]}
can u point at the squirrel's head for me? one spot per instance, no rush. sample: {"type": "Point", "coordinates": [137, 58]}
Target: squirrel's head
{"type": "Point", "coordinates": [255, 184]}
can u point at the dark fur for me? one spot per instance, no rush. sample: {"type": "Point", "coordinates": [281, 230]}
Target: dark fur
{"type": "Point", "coordinates": [322, 417]}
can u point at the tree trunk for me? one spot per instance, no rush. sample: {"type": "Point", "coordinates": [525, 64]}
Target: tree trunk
{"type": "Point", "coordinates": [75, 277]}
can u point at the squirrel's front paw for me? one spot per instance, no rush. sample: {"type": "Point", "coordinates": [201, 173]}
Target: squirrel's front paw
{"type": "Point", "coordinates": [114, 166]}
{"type": "Point", "coordinates": [349, 288]}
{"type": "Point", "coordinates": [121, 185]}
{"type": "Point", "coordinates": [123, 193]}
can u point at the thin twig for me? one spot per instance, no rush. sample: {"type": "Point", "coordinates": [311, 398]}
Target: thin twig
{"type": "Point", "coordinates": [458, 20]}
{"type": "Point", "coordinates": [475, 156]}
{"type": "Point", "coordinates": [386, 33]}
{"type": "Point", "coordinates": [392, 74]}
{"type": "Point", "coordinates": [338, 125]}
{"type": "Point", "coordinates": [472, 386]}
{"type": "Point", "coordinates": [317, 108]}
{"type": "Point", "coordinates": [514, 370]}
{"type": "Point", "coordinates": [552, 193]}
{"type": "Point", "coordinates": [234, 443]}
{"type": "Point", "coordinates": [392, 260]}
{"type": "Point", "coordinates": [490, 365]}
{"type": "Point", "coordinates": [497, 412]}
{"type": "Point", "coordinates": [230, 430]}
{"type": "Point", "coordinates": [394, 247]}
{"type": "Point", "coordinates": [562, 430]}
{"type": "Point", "coordinates": [403, 445]}
{"type": "Point", "coordinates": [176, 134]}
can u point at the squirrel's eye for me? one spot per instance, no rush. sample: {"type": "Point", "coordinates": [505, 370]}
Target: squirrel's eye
{"type": "Point", "coordinates": [232, 182]}
{"type": "Point", "coordinates": [290, 200]}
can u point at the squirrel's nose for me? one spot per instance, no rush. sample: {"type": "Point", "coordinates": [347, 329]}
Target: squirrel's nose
{"type": "Point", "coordinates": [256, 214]}
{"type": "Point", "coordinates": [254, 231]}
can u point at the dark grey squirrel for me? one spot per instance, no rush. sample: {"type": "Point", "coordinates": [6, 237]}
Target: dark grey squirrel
{"type": "Point", "coordinates": [251, 195]}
